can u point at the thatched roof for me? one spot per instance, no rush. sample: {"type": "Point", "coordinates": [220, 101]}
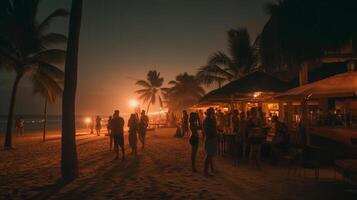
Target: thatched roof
{"type": "Point", "coordinates": [254, 82]}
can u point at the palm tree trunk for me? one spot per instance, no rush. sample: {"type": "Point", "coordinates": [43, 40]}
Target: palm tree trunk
{"type": "Point", "coordinates": [10, 117]}
{"type": "Point", "coordinates": [69, 162]}
{"type": "Point", "coordinates": [147, 109]}
{"type": "Point", "coordinates": [45, 120]}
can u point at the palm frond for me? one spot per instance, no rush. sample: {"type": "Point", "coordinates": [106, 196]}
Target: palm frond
{"type": "Point", "coordinates": [53, 56]}
{"type": "Point", "coordinates": [51, 71]}
{"type": "Point", "coordinates": [48, 20]}
{"type": "Point", "coordinates": [53, 39]}
{"type": "Point", "coordinates": [143, 83]}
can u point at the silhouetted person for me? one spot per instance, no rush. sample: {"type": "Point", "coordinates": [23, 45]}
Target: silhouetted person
{"type": "Point", "coordinates": [184, 126]}
{"type": "Point", "coordinates": [194, 140]}
{"type": "Point", "coordinates": [133, 129]}
{"type": "Point", "coordinates": [110, 132]}
{"type": "Point", "coordinates": [281, 138]}
{"type": "Point", "coordinates": [91, 125]}
{"type": "Point", "coordinates": [98, 125]}
{"type": "Point", "coordinates": [117, 126]}
{"type": "Point", "coordinates": [210, 131]}
{"type": "Point", "coordinates": [143, 124]}
{"type": "Point", "coordinates": [20, 126]}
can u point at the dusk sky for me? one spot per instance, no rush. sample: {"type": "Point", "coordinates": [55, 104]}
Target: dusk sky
{"type": "Point", "coordinates": [122, 39]}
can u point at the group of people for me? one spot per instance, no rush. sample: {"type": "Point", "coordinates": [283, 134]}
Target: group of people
{"type": "Point", "coordinates": [194, 123]}
{"type": "Point", "coordinates": [250, 129]}
{"type": "Point", "coordinates": [137, 127]}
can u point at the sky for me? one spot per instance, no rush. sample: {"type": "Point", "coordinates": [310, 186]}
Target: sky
{"type": "Point", "coordinates": [121, 40]}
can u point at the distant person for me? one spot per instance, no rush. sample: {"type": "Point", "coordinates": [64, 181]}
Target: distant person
{"type": "Point", "coordinates": [235, 122]}
{"type": "Point", "coordinates": [281, 138]}
{"type": "Point", "coordinates": [143, 125]}
{"type": "Point", "coordinates": [117, 127]}
{"type": "Point", "coordinates": [210, 131]}
{"type": "Point", "coordinates": [91, 125]}
{"type": "Point", "coordinates": [133, 129]}
{"type": "Point", "coordinates": [98, 125]}
{"type": "Point", "coordinates": [184, 128]}
{"type": "Point", "coordinates": [194, 140]}
{"type": "Point", "coordinates": [19, 126]}
{"type": "Point", "coordinates": [109, 129]}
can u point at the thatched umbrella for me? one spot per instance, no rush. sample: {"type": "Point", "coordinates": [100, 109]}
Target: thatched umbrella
{"type": "Point", "coordinates": [340, 85]}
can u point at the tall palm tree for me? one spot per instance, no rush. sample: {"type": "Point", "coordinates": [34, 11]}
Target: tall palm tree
{"type": "Point", "coordinates": [221, 67]}
{"type": "Point", "coordinates": [69, 162]}
{"type": "Point", "coordinates": [185, 91]}
{"type": "Point", "coordinates": [301, 31]}
{"type": "Point", "coordinates": [25, 46]}
{"type": "Point", "coordinates": [50, 88]}
{"type": "Point", "coordinates": [152, 88]}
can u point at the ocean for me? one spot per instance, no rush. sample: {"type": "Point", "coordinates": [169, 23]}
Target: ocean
{"type": "Point", "coordinates": [34, 123]}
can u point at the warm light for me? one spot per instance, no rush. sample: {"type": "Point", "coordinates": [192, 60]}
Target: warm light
{"type": "Point", "coordinates": [87, 120]}
{"type": "Point", "coordinates": [256, 94]}
{"type": "Point", "coordinates": [133, 103]}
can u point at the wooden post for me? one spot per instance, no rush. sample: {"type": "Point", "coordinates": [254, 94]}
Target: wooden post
{"type": "Point", "coordinates": [281, 111]}
{"type": "Point", "coordinates": [290, 113]}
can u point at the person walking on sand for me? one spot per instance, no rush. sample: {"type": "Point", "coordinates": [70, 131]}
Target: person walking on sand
{"type": "Point", "coordinates": [98, 125]}
{"type": "Point", "coordinates": [133, 129]}
{"type": "Point", "coordinates": [194, 140]}
{"type": "Point", "coordinates": [210, 131]}
{"type": "Point", "coordinates": [117, 127]}
{"type": "Point", "coordinates": [143, 124]}
{"type": "Point", "coordinates": [184, 123]}
{"type": "Point", "coordinates": [110, 132]}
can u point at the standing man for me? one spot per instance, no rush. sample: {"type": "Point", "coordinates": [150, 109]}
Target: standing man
{"type": "Point", "coordinates": [210, 131]}
{"type": "Point", "coordinates": [117, 127]}
{"type": "Point", "coordinates": [143, 124]}
{"type": "Point", "coordinates": [98, 125]}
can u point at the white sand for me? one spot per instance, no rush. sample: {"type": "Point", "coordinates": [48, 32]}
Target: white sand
{"type": "Point", "coordinates": [161, 171]}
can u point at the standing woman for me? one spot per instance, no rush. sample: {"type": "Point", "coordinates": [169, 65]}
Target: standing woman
{"type": "Point", "coordinates": [110, 133]}
{"type": "Point", "coordinates": [143, 124]}
{"type": "Point", "coordinates": [210, 131]}
{"type": "Point", "coordinates": [194, 126]}
{"type": "Point", "coordinates": [98, 125]}
{"type": "Point", "coordinates": [133, 129]}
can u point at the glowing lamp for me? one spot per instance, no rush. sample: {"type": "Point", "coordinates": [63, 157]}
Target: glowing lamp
{"type": "Point", "coordinates": [133, 103]}
{"type": "Point", "coordinates": [87, 120]}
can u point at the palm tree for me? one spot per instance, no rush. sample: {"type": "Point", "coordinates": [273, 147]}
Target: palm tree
{"type": "Point", "coordinates": [25, 46]}
{"type": "Point", "coordinates": [302, 31]}
{"type": "Point", "coordinates": [185, 91]}
{"type": "Point", "coordinates": [152, 89]}
{"type": "Point", "coordinates": [221, 68]}
{"type": "Point", "coordinates": [50, 88]}
{"type": "Point", "coordinates": [69, 162]}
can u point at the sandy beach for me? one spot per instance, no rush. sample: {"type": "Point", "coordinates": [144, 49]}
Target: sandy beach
{"type": "Point", "coordinates": [161, 171]}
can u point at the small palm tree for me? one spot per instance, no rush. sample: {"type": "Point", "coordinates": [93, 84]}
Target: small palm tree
{"type": "Point", "coordinates": [152, 89]}
{"type": "Point", "coordinates": [25, 46]}
{"type": "Point", "coordinates": [50, 87]}
{"type": "Point", "coordinates": [185, 91]}
{"type": "Point", "coordinates": [221, 68]}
